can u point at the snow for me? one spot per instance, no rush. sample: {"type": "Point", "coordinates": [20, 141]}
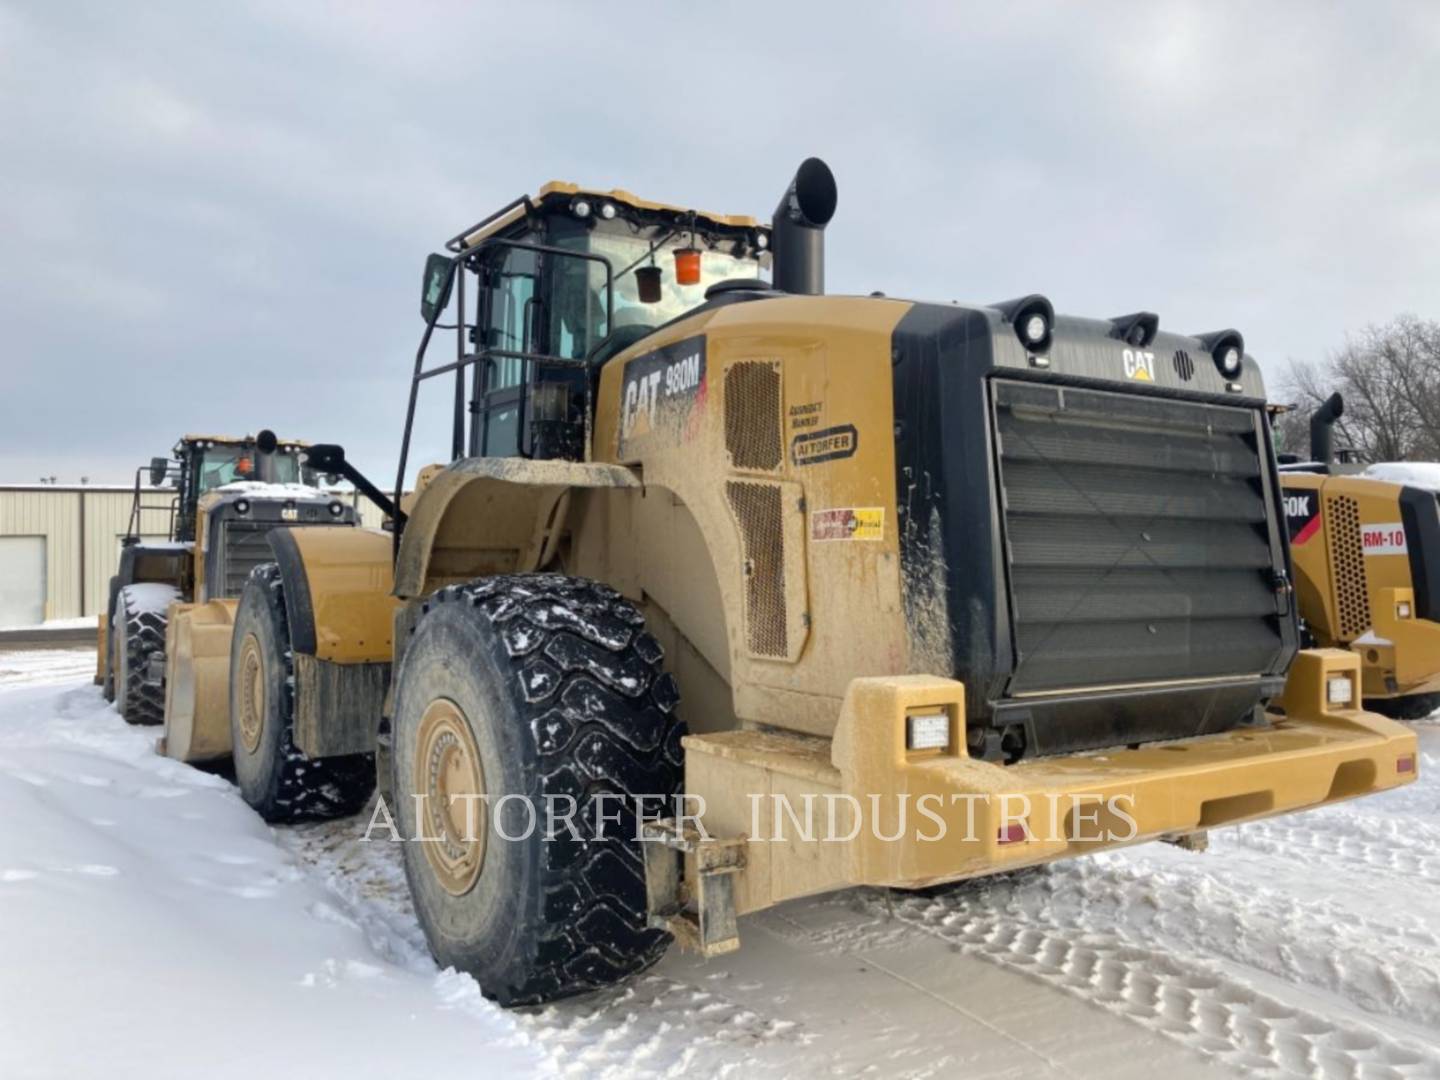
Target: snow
{"type": "Point", "coordinates": [1372, 638]}
{"type": "Point", "coordinates": [150, 596]}
{"type": "Point", "coordinates": [75, 623]}
{"type": "Point", "coordinates": [1420, 474]}
{"type": "Point", "coordinates": [152, 926]}
{"type": "Point", "coordinates": [261, 490]}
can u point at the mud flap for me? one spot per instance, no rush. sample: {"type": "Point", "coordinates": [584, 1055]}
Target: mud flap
{"type": "Point", "coordinates": [709, 925]}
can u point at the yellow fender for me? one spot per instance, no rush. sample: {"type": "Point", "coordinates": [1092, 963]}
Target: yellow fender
{"type": "Point", "coordinates": [521, 505]}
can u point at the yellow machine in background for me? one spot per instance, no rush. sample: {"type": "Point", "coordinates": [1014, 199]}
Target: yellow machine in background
{"type": "Point", "coordinates": [173, 602]}
{"type": "Point", "coordinates": [707, 536]}
{"type": "Point", "coordinates": [1367, 571]}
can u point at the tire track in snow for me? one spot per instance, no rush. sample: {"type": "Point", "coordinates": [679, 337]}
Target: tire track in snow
{"type": "Point", "coordinates": [651, 1025]}
{"type": "Point", "coordinates": [1171, 990]}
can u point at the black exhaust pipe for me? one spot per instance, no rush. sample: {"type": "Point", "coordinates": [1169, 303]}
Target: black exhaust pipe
{"type": "Point", "coordinates": [797, 231]}
{"type": "Point", "coordinates": [265, 444]}
{"type": "Point", "coordinates": [1322, 429]}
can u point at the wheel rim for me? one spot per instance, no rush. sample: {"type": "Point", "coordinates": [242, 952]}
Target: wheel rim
{"type": "Point", "coordinates": [252, 694]}
{"type": "Point", "coordinates": [452, 813]}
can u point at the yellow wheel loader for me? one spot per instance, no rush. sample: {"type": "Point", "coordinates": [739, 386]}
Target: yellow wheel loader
{"type": "Point", "coordinates": [734, 591]}
{"type": "Point", "coordinates": [172, 603]}
{"type": "Point", "coordinates": [1367, 571]}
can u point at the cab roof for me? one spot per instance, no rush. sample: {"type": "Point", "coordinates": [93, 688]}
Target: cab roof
{"type": "Point", "coordinates": [562, 189]}
{"type": "Point", "coordinates": [235, 440]}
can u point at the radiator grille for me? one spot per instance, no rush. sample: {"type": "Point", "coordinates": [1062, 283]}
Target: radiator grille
{"type": "Point", "coordinates": [752, 415]}
{"type": "Point", "coordinates": [757, 509]}
{"type": "Point", "coordinates": [1135, 530]}
{"type": "Point", "coordinates": [1347, 556]}
{"type": "Point", "coordinates": [246, 547]}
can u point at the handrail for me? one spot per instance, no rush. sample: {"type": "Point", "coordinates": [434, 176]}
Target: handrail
{"type": "Point", "coordinates": [463, 360]}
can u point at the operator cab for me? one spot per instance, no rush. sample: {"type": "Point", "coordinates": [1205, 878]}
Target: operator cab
{"type": "Point", "coordinates": [563, 282]}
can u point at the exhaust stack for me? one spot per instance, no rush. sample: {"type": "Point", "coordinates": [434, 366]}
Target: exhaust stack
{"type": "Point", "coordinates": [265, 444]}
{"type": "Point", "coordinates": [1322, 429]}
{"type": "Point", "coordinates": [797, 231]}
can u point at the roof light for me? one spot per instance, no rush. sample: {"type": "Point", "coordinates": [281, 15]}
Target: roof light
{"type": "Point", "coordinates": [1035, 329]}
{"type": "Point", "coordinates": [580, 208]}
{"type": "Point", "coordinates": [607, 211]}
{"type": "Point", "coordinates": [336, 509]}
{"type": "Point", "coordinates": [762, 241]}
{"type": "Point", "coordinates": [242, 506]}
{"type": "Point", "coordinates": [1230, 362]}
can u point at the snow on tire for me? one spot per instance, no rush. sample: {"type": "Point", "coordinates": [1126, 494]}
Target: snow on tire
{"type": "Point", "coordinates": [542, 694]}
{"type": "Point", "coordinates": [276, 778]}
{"type": "Point", "coordinates": [138, 633]}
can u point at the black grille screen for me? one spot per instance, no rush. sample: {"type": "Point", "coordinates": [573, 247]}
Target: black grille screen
{"type": "Point", "coordinates": [1137, 539]}
{"type": "Point", "coordinates": [245, 549]}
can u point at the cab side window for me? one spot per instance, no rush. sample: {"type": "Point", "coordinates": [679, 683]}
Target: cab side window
{"type": "Point", "coordinates": [509, 325]}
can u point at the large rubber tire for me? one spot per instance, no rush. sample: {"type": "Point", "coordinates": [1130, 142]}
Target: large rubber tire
{"type": "Point", "coordinates": [139, 634]}
{"type": "Point", "coordinates": [561, 693]}
{"type": "Point", "coordinates": [275, 778]}
{"type": "Point", "coordinates": [1410, 707]}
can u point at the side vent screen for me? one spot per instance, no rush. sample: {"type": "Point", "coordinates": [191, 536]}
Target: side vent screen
{"type": "Point", "coordinates": [752, 415]}
{"type": "Point", "coordinates": [1352, 593]}
{"type": "Point", "coordinates": [757, 509]}
{"type": "Point", "coordinates": [1184, 366]}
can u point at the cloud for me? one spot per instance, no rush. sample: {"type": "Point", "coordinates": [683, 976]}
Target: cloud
{"type": "Point", "coordinates": [214, 216]}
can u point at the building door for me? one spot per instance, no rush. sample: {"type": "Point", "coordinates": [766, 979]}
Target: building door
{"type": "Point", "coordinates": [22, 580]}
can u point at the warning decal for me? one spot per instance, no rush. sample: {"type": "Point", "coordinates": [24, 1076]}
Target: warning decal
{"type": "Point", "coordinates": [1383, 539]}
{"type": "Point", "coordinates": [850, 523]}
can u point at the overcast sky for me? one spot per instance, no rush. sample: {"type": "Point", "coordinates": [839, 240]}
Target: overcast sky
{"type": "Point", "coordinates": [213, 215]}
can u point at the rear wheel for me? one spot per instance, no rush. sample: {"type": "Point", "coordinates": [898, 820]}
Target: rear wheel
{"type": "Point", "coordinates": [136, 635]}
{"type": "Point", "coordinates": [519, 700]}
{"type": "Point", "coordinates": [275, 777]}
{"type": "Point", "coordinates": [1409, 707]}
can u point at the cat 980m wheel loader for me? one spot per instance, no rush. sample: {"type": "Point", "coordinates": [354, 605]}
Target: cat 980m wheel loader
{"type": "Point", "coordinates": [734, 591]}
{"type": "Point", "coordinates": [172, 604]}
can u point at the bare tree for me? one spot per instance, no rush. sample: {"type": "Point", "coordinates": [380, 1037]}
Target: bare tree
{"type": "Point", "coordinates": [1389, 376]}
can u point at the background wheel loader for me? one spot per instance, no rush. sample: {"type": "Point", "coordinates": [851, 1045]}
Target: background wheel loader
{"type": "Point", "coordinates": [1367, 570]}
{"type": "Point", "coordinates": [173, 601]}
{"type": "Point", "coordinates": [741, 541]}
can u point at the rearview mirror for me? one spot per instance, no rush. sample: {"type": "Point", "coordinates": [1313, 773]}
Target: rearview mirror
{"type": "Point", "coordinates": [435, 287]}
{"type": "Point", "coordinates": [159, 466]}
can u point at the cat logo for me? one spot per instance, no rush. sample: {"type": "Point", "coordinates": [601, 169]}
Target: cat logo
{"type": "Point", "coordinates": [1139, 365]}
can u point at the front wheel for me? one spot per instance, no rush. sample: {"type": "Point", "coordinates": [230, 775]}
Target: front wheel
{"type": "Point", "coordinates": [533, 727]}
{"type": "Point", "coordinates": [276, 778]}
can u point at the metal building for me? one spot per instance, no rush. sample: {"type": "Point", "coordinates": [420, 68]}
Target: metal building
{"type": "Point", "coordinates": [59, 546]}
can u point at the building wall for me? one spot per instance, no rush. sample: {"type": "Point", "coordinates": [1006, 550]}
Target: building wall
{"type": "Point", "coordinates": [82, 527]}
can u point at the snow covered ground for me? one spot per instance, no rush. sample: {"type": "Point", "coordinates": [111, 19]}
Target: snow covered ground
{"type": "Point", "coordinates": [151, 926]}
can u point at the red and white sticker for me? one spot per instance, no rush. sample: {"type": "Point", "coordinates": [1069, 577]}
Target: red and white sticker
{"type": "Point", "coordinates": [1383, 539]}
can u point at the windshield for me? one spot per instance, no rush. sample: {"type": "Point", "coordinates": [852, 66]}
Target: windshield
{"type": "Point", "coordinates": [578, 324]}
{"type": "Point", "coordinates": [227, 464]}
